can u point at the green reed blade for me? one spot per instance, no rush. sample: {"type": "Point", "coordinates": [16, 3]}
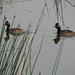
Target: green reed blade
{"type": "Point", "coordinates": [27, 71]}
{"type": "Point", "coordinates": [8, 67]}
{"type": "Point", "coordinates": [17, 58]}
{"type": "Point", "coordinates": [39, 73]}
{"type": "Point", "coordinates": [57, 58]}
{"type": "Point", "coordinates": [61, 12]}
{"type": "Point", "coordinates": [2, 30]}
{"type": "Point", "coordinates": [57, 8]}
{"type": "Point", "coordinates": [30, 62]}
{"type": "Point", "coordinates": [70, 3]}
{"type": "Point", "coordinates": [36, 58]}
{"type": "Point", "coordinates": [9, 56]}
{"type": "Point", "coordinates": [5, 51]}
{"type": "Point", "coordinates": [19, 52]}
{"type": "Point", "coordinates": [47, 8]}
{"type": "Point", "coordinates": [13, 21]}
{"type": "Point", "coordinates": [26, 57]}
{"type": "Point", "coordinates": [1, 7]}
{"type": "Point", "coordinates": [33, 34]}
{"type": "Point", "coordinates": [33, 55]}
{"type": "Point", "coordinates": [2, 53]}
{"type": "Point", "coordinates": [19, 63]}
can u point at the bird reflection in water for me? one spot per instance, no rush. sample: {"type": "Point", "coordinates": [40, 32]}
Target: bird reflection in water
{"type": "Point", "coordinates": [7, 36]}
{"type": "Point", "coordinates": [57, 39]}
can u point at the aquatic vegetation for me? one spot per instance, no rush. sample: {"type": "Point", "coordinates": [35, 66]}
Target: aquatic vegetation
{"type": "Point", "coordinates": [59, 10]}
{"type": "Point", "coordinates": [1, 6]}
{"type": "Point", "coordinates": [16, 51]}
{"type": "Point", "coordinates": [12, 58]}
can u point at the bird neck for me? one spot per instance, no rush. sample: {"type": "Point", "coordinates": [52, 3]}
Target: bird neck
{"type": "Point", "coordinates": [7, 29]}
{"type": "Point", "coordinates": [8, 35]}
{"type": "Point", "coordinates": [58, 30]}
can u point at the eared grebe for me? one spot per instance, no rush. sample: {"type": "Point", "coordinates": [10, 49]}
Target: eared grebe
{"type": "Point", "coordinates": [66, 33]}
{"type": "Point", "coordinates": [13, 31]}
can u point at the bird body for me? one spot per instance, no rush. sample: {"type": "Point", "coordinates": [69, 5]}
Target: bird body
{"type": "Point", "coordinates": [13, 31]}
{"type": "Point", "coordinates": [16, 31]}
{"type": "Point", "coordinates": [65, 33]}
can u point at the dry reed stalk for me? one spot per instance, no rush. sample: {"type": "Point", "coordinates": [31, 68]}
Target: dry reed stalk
{"type": "Point", "coordinates": [33, 54]}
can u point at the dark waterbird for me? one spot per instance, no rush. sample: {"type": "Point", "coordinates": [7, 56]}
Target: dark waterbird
{"type": "Point", "coordinates": [65, 33]}
{"type": "Point", "coordinates": [62, 33]}
{"type": "Point", "coordinates": [12, 31]}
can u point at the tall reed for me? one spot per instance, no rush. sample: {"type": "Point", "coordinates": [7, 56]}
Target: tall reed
{"type": "Point", "coordinates": [15, 50]}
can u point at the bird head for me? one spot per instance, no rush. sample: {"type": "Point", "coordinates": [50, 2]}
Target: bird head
{"type": "Point", "coordinates": [57, 26]}
{"type": "Point", "coordinates": [7, 23]}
